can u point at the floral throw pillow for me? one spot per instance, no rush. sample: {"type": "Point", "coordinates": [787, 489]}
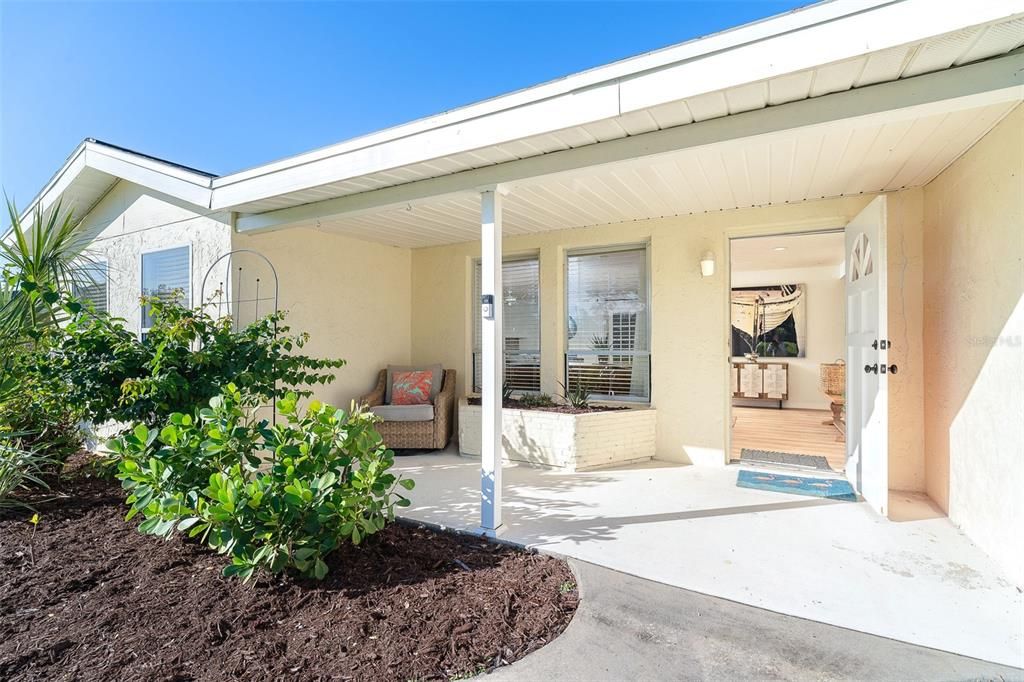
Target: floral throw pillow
{"type": "Point", "coordinates": [411, 388]}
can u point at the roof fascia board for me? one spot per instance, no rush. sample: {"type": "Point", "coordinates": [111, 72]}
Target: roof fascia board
{"type": "Point", "coordinates": [60, 180]}
{"type": "Point", "coordinates": [564, 111]}
{"type": "Point", "coordinates": [901, 23]}
{"type": "Point", "coordinates": [168, 180]}
{"type": "Point", "coordinates": [974, 85]}
{"type": "Point", "coordinates": [168, 169]}
{"type": "Point", "coordinates": [758, 30]}
{"type": "Point", "coordinates": [754, 53]}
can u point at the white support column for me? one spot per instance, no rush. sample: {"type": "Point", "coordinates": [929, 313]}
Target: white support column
{"type": "Point", "coordinates": [492, 364]}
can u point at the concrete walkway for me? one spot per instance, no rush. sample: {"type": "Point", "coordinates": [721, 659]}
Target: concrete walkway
{"type": "Point", "coordinates": [628, 628]}
{"type": "Point", "coordinates": [913, 577]}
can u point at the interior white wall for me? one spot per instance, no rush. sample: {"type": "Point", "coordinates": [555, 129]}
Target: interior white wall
{"type": "Point", "coordinates": [825, 327]}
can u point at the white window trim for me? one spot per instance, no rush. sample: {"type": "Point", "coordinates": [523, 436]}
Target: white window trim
{"type": "Point", "coordinates": [514, 258]}
{"type": "Point", "coordinates": [191, 284]}
{"type": "Point", "coordinates": [105, 260]}
{"type": "Point", "coordinates": [593, 251]}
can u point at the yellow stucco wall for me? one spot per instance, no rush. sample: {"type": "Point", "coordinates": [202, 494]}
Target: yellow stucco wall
{"type": "Point", "coordinates": [353, 297]}
{"type": "Point", "coordinates": [974, 341]}
{"type": "Point", "coordinates": [904, 252]}
{"type": "Point", "coordinates": [689, 333]}
{"type": "Point", "coordinates": [131, 220]}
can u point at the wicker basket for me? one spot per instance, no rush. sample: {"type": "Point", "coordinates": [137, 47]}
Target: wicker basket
{"type": "Point", "coordinates": [833, 378]}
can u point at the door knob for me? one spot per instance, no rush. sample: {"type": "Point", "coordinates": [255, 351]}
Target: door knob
{"type": "Point", "coordinates": [868, 369]}
{"type": "Point", "coordinates": [891, 369]}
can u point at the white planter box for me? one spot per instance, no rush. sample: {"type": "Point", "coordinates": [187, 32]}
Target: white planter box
{"type": "Point", "coordinates": [574, 442]}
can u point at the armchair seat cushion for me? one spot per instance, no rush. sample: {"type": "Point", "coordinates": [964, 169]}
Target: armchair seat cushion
{"type": "Point", "coordinates": [404, 413]}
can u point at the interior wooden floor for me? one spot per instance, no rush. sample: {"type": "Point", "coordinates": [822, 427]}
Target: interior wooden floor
{"type": "Point", "coordinates": [799, 432]}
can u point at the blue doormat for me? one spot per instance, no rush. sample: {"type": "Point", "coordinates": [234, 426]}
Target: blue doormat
{"type": "Point", "coordinates": [832, 488]}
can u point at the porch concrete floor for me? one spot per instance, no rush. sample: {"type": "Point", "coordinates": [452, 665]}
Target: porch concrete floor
{"type": "Point", "coordinates": [918, 581]}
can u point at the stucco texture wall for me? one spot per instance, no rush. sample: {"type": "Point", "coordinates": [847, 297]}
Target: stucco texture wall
{"type": "Point", "coordinates": [690, 341]}
{"type": "Point", "coordinates": [974, 342]}
{"type": "Point", "coordinates": [353, 297]}
{"type": "Point", "coordinates": [131, 220]}
{"type": "Point", "coordinates": [904, 253]}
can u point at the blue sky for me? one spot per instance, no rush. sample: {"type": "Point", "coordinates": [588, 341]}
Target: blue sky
{"type": "Point", "coordinates": [224, 86]}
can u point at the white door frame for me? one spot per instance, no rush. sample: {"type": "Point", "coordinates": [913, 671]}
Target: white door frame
{"type": "Point", "coordinates": [809, 227]}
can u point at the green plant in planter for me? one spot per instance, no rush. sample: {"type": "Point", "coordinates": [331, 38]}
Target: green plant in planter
{"type": "Point", "coordinates": [327, 482]}
{"type": "Point", "coordinates": [577, 396]}
{"type": "Point", "coordinates": [536, 400]}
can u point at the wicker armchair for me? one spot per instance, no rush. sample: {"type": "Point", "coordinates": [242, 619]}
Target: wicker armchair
{"type": "Point", "coordinates": [433, 434]}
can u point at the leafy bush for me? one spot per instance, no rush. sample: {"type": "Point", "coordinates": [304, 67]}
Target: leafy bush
{"type": "Point", "coordinates": [186, 358]}
{"type": "Point", "coordinates": [34, 413]}
{"type": "Point", "coordinates": [536, 400]}
{"type": "Point", "coordinates": [39, 261]}
{"type": "Point", "coordinates": [327, 482]}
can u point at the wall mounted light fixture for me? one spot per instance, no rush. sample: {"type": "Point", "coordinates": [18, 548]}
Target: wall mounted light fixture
{"type": "Point", "coordinates": [707, 264]}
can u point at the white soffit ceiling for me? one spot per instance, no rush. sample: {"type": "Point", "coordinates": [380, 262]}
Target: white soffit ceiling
{"type": "Point", "coordinates": [938, 53]}
{"type": "Point", "coordinates": [799, 251]}
{"type": "Point", "coordinates": [843, 158]}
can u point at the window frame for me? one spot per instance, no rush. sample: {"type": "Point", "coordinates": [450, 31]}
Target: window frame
{"type": "Point", "coordinates": [105, 261]}
{"type": "Point", "coordinates": [143, 330]}
{"type": "Point", "coordinates": [645, 246]}
{"type": "Point", "coordinates": [475, 312]}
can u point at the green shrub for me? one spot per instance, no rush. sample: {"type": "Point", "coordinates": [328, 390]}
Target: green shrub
{"type": "Point", "coordinates": [536, 400]}
{"type": "Point", "coordinates": [326, 482]}
{"type": "Point", "coordinates": [34, 411]}
{"type": "Point", "coordinates": [186, 358]}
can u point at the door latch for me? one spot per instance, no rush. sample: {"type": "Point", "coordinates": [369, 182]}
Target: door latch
{"type": "Point", "coordinates": [882, 344]}
{"type": "Point", "coordinates": [880, 369]}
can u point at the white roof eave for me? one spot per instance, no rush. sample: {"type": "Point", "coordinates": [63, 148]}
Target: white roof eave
{"type": "Point", "coordinates": [818, 35]}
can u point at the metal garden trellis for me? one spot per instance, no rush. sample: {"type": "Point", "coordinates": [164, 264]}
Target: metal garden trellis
{"type": "Point", "coordinates": [233, 304]}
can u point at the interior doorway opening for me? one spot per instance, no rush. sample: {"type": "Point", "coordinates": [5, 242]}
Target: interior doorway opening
{"type": "Point", "coordinates": [788, 348]}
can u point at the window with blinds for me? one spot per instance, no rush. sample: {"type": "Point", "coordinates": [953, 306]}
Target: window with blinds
{"type": "Point", "coordinates": [166, 275]}
{"type": "Point", "coordinates": [608, 324]}
{"type": "Point", "coordinates": [521, 300]}
{"type": "Point", "coordinates": [92, 284]}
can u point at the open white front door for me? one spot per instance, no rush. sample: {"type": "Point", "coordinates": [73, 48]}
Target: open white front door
{"type": "Point", "coordinates": [867, 372]}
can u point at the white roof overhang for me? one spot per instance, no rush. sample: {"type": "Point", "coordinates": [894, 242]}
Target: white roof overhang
{"type": "Point", "coordinates": [826, 48]}
{"type": "Point", "coordinates": [877, 138]}
{"type": "Point", "coordinates": [94, 168]}
{"type": "Point", "coordinates": [725, 116]}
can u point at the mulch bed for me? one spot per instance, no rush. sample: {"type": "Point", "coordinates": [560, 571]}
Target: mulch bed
{"type": "Point", "coordinates": [103, 602]}
{"type": "Point", "coordinates": [564, 409]}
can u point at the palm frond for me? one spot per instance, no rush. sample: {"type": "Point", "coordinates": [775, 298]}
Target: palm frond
{"type": "Point", "coordinates": [47, 253]}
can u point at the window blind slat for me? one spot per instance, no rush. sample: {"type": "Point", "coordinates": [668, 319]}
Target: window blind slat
{"type": "Point", "coordinates": [164, 274]}
{"type": "Point", "coordinates": [521, 322]}
{"type": "Point", "coordinates": [607, 329]}
{"type": "Point", "coordinates": [93, 285]}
